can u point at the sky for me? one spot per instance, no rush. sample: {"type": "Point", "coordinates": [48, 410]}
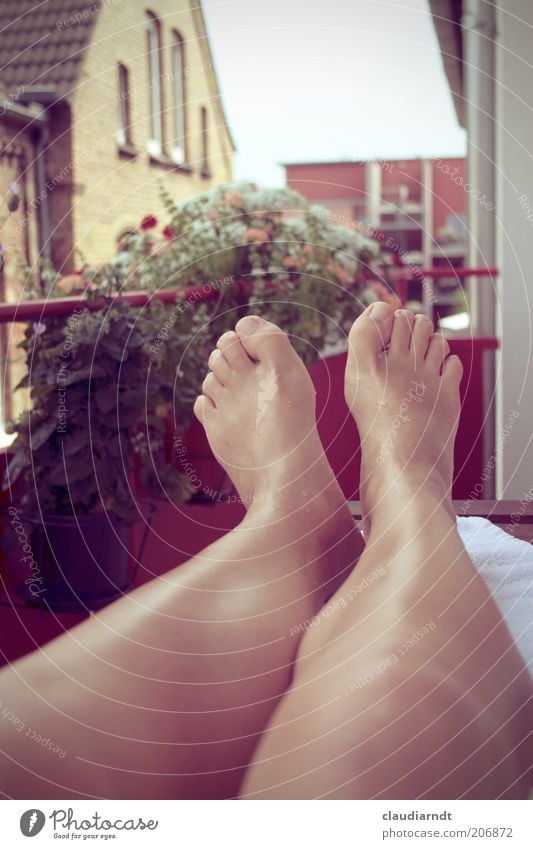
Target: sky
{"type": "Point", "coordinates": [325, 80]}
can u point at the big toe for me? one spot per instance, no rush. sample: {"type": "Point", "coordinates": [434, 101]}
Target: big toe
{"type": "Point", "coordinates": [370, 333]}
{"type": "Point", "coordinates": [263, 341]}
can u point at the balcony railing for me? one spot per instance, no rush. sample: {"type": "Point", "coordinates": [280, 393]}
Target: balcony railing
{"type": "Point", "coordinates": [470, 347]}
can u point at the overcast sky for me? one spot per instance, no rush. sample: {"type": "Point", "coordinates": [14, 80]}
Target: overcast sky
{"type": "Point", "coordinates": [307, 80]}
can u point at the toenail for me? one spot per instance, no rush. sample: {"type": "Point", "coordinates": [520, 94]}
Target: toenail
{"type": "Point", "coordinates": [249, 324]}
{"type": "Point", "coordinates": [379, 311]}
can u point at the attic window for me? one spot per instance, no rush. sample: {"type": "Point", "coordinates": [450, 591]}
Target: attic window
{"type": "Point", "coordinates": [178, 74]}
{"type": "Point", "coordinates": [124, 125]}
{"type": "Point", "coordinates": [153, 31]}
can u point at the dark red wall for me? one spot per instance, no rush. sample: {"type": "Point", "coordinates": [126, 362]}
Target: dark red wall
{"type": "Point", "coordinates": [180, 531]}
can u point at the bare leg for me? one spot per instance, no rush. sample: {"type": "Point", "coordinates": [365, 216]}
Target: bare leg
{"type": "Point", "coordinates": [410, 687]}
{"type": "Point", "coordinates": [164, 694]}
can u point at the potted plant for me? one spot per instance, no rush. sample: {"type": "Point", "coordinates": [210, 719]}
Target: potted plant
{"type": "Point", "coordinates": [292, 265]}
{"type": "Point", "coordinates": [111, 387]}
{"type": "Point", "coordinates": [92, 448]}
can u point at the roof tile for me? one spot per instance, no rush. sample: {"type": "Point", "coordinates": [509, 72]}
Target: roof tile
{"type": "Point", "coordinates": [34, 51]}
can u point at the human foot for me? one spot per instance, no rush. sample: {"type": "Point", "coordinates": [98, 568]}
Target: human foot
{"type": "Point", "coordinates": [258, 410]}
{"type": "Point", "coordinates": [403, 391]}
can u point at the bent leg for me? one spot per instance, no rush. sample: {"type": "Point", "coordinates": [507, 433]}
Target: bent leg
{"type": "Point", "coordinates": [411, 686]}
{"type": "Point", "coordinates": [164, 694]}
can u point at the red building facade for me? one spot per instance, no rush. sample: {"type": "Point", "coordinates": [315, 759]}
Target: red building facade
{"type": "Point", "coordinates": [417, 206]}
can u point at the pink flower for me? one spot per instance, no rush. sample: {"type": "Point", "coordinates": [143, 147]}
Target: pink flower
{"type": "Point", "coordinates": [148, 222]}
{"type": "Point", "coordinates": [39, 328]}
{"type": "Point", "coordinates": [291, 262]}
{"type": "Point", "coordinates": [168, 232]}
{"type": "Point", "coordinates": [256, 234]}
{"type": "Point", "coordinates": [339, 272]}
{"type": "Point", "coordinates": [234, 198]}
{"type": "Point", "coordinates": [71, 283]}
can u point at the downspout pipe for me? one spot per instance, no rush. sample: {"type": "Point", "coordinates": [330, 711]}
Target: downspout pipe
{"type": "Point", "coordinates": [479, 56]}
{"type": "Point", "coordinates": [479, 31]}
{"type": "Point", "coordinates": [41, 193]}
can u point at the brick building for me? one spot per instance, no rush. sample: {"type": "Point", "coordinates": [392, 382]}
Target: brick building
{"type": "Point", "coordinates": [101, 102]}
{"type": "Point", "coordinates": [419, 205]}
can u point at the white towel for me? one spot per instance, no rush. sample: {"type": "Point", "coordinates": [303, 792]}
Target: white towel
{"type": "Point", "coordinates": [506, 565]}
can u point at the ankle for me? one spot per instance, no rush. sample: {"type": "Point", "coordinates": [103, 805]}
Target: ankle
{"type": "Point", "coordinates": [418, 489]}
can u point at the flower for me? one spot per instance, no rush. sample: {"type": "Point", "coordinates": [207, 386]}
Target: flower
{"type": "Point", "coordinates": [168, 232]}
{"type": "Point", "coordinates": [291, 262]}
{"type": "Point", "coordinates": [339, 272]}
{"type": "Point", "coordinates": [148, 222]}
{"type": "Point", "coordinates": [39, 328]}
{"type": "Point", "coordinates": [234, 198]}
{"type": "Point", "coordinates": [256, 234]}
{"type": "Point", "coordinates": [71, 284]}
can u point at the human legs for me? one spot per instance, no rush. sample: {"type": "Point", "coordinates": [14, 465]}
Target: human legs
{"type": "Point", "coordinates": [410, 686]}
{"type": "Point", "coordinates": [164, 694]}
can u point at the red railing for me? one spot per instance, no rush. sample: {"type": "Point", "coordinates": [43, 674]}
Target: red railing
{"type": "Point", "coordinates": [401, 277]}
{"type": "Point", "coordinates": [57, 307]}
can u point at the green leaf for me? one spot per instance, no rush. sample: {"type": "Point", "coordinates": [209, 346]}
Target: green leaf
{"type": "Point", "coordinates": [91, 371]}
{"type": "Point", "coordinates": [106, 399]}
{"type": "Point", "coordinates": [15, 467]}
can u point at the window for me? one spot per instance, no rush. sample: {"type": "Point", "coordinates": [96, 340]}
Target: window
{"type": "Point", "coordinates": [178, 75]}
{"type": "Point", "coordinates": [206, 170]}
{"type": "Point", "coordinates": [124, 238]}
{"type": "Point", "coordinates": [457, 224]}
{"type": "Point", "coordinates": [124, 125]}
{"type": "Point", "coordinates": [153, 31]}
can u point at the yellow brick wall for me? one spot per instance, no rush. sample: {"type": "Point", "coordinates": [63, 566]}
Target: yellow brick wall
{"type": "Point", "coordinates": [112, 192]}
{"type": "Point", "coordinates": [18, 235]}
{"type": "Point", "coordinates": [18, 229]}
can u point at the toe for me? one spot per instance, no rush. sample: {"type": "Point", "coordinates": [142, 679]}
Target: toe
{"type": "Point", "coordinates": [437, 351]}
{"type": "Point", "coordinates": [422, 330]}
{"type": "Point", "coordinates": [370, 333]}
{"type": "Point", "coordinates": [220, 367]}
{"type": "Point", "coordinates": [264, 341]}
{"type": "Point", "coordinates": [230, 345]}
{"type": "Point", "coordinates": [452, 372]}
{"type": "Point", "coordinates": [212, 389]}
{"type": "Point", "coordinates": [402, 327]}
{"type": "Point", "coordinates": [201, 406]}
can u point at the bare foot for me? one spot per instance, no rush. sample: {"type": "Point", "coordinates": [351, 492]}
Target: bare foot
{"type": "Point", "coordinates": [258, 411]}
{"type": "Point", "coordinates": [403, 391]}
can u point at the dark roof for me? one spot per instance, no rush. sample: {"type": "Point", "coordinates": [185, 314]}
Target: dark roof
{"type": "Point", "coordinates": [42, 43]}
{"type": "Point", "coordinates": [36, 49]}
{"type": "Point", "coordinates": [447, 18]}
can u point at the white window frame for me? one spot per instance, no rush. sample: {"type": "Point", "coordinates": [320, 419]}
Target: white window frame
{"type": "Point", "coordinates": [179, 147]}
{"type": "Point", "coordinates": [155, 142]}
{"type": "Point", "coordinates": [123, 134]}
{"type": "Point", "coordinates": [204, 133]}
